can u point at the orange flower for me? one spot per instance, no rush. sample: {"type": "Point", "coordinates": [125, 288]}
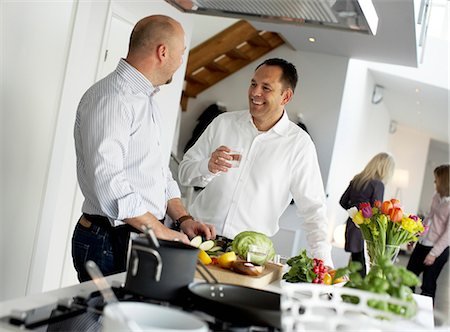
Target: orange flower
{"type": "Point", "coordinates": [377, 204]}
{"type": "Point", "coordinates": [395, 203]}
{"type": "Point", "coordinates": [396, 214]}
{"type": "Point", "coordinates": [386, 207]}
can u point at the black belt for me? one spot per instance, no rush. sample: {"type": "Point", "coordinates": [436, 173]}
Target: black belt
{"type": "Point", "coordinates": [104, 223]}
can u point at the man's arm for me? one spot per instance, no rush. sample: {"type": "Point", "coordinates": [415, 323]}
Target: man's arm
{"type": "Point", "coordinates": [307, 190]}
{"type": "Point", "coordinates": [104, 128]}
{"type": "Point", "coordinates": [190, 226]}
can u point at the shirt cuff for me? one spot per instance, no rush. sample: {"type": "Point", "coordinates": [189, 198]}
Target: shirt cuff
{"type": "Point", "coordinates": [204, 171]}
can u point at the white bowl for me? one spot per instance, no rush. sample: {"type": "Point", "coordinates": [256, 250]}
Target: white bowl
{"type": "Point", "coordinates": [149, 317]}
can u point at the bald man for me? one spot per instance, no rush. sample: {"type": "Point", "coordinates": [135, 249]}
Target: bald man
{"type": "Point", "coordinates": [120, 165]}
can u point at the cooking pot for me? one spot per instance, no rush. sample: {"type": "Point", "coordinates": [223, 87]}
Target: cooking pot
{"type": "Point", "coordinates": [160, 270]}
{"type": "Point", "coordinates": [236, 304]}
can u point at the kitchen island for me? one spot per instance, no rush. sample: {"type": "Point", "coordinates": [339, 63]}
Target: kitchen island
{"type": "Point", "coordinates": [64, 296]}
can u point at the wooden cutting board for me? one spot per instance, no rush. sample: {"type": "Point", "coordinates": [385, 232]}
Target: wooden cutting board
{"type": "Point", "coordinates": [270, 273]}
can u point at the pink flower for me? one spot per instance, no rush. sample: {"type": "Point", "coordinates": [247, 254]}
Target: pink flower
{"type": "Point", "coordinates": [414, 217]}
{"type": "Point", "coordinates": [377, 204]}
{"type": "Point", "coordinates": [366, 211]}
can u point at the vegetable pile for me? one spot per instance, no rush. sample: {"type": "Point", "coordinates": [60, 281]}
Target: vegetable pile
{"type": "Point", "coordinates": [232, 254]}
{"type": "Point", "coordinates": [384, 278]}
{"type": "Point", "coordinates": [305, 269]}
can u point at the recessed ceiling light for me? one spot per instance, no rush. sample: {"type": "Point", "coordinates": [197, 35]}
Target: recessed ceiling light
{"type": "Point", "coordinates": [312, 39]}
{"type": "Point", "coordinates": [418, 102]}
{"type": "Point", "coordinates": [417, 90]}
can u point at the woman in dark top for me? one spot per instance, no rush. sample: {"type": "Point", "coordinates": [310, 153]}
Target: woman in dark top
{"type": "Point", "coordinates": [367, 186]}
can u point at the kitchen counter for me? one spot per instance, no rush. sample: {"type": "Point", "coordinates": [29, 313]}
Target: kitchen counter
{"type": "Point", "coordinates": [425, 315]}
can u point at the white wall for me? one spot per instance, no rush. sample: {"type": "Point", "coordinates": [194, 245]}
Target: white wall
{"type": "Point", "coordinates": [362, 133]}
{"type": "Point", "coordinates": [35, 52]}
{"type": "Point", "coordinates": [438, 154]}
{"type": "Point", "coordinates": [318, 96]}
{"type": "Point", "coordinates": [51, 56]}
{"type": "Point", "coordinates": [410, 148]}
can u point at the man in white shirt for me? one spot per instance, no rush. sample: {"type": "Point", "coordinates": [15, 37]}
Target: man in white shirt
{"type": "Point", "coordinates": [120, 165]}
{"type": "Point", "coordinates": [278, 162]}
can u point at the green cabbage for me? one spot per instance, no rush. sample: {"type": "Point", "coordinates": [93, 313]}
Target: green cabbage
{"type": "Point", "coordinates": [243, 240]}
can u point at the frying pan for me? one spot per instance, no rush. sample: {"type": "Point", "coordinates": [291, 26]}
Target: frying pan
{"type": "Point", "coordinates": [238, 304]}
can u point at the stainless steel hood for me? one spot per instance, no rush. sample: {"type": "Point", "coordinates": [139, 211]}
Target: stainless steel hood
{"type": "Point", "coordinates": [353, 15]}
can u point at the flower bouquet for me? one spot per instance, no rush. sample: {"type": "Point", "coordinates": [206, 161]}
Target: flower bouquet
{"type": "Point", "coordinates": [385, 227]}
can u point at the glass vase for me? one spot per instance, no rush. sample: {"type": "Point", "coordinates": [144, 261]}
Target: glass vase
{"type": "Point", "coordinates": [374, 252]}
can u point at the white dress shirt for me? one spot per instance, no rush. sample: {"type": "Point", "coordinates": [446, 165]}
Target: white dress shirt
{"type": "Point", "coordinates": [276, 165]}
{"type": "Point", "coordinates": [119, 155]}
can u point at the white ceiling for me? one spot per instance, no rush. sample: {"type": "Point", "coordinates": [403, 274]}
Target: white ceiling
{"type": "Point", "coordinates": [426, 110]}
{"type": "Point", "coordinates": [416, 105]}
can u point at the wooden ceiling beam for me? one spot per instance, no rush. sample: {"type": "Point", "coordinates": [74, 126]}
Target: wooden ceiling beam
{"type": "Point", "coordinates": [224, 54]}
{"type": "Point", "coordinates": [221, 43]}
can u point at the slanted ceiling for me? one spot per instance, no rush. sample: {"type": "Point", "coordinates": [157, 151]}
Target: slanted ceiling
{"type": "Point", "coordinates": [224, 54]}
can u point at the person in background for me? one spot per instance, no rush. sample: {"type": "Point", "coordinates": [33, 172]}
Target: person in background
{"type": "Point", "coordinates": [278, 161]}
{"type": "Point", "coordinates": [431, 252]}
{"type": "Point", "coordinates": [120, 166]}
{"type": "Point", "coordinates": [367, 186]}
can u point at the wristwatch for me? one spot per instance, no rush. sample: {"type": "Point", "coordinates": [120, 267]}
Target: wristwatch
{"type": "Point", "coordinates": [182, 219]}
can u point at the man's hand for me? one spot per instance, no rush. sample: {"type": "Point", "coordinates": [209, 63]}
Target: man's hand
{"type": "Point", "coordinates": [193, 227]}
{"type": "Point", "coordinates": [429, 260]}
{"type": "Point", "coordinates": [161, 231]}
{"type": "Point", "coordinates": [218, 161]}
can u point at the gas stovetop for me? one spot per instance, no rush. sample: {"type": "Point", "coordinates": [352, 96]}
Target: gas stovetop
{"type": "Point", "coordinates": [85, 314]}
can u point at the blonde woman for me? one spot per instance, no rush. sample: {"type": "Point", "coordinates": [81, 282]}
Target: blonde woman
{"type": "Point", "coordinates": [367, 186]}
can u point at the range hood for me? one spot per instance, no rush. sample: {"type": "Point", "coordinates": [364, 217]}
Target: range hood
{"type": "Point", "coordinates": [353, 15]}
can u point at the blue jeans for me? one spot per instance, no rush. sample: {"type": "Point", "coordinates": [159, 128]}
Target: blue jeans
{"type": "Point", "coordinates": [93, 243]}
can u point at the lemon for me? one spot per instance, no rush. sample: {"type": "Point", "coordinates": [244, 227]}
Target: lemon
{"type": "Point", "coordinates": [226, 260]}
{"type": "Point", "coordinates": [204, 257]}
{"type": "Point", "coordinates": [327, 279]}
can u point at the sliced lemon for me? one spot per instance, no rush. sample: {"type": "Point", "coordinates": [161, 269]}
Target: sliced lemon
{"type": "Point", "coordinates": [204, 257]}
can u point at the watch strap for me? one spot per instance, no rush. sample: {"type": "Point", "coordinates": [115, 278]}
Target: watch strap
{"type": "Point", "coordinates": [182, 219]}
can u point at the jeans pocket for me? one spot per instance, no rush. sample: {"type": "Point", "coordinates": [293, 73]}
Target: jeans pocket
{"type": "Point", "coordinates": [92, 245]}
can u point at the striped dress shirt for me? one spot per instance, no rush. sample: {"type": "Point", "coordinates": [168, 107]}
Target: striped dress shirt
{"type": "Point", "coordinates": [117, 135]}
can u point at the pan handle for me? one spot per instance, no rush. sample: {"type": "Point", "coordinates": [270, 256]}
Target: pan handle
{"type": "Point", "coordinates": [206, 273]}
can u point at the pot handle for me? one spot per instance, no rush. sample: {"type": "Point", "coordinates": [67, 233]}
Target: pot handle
{"type": "Point", "coordinates": [206, 273]}
{"type": "Point", "coordinates": [135, 262]}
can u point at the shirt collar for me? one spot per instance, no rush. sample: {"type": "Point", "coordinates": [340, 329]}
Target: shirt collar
{"type": "Point", "coordinates": [281, 127]}
{"type": "Point", "coordinates": [137, 81]}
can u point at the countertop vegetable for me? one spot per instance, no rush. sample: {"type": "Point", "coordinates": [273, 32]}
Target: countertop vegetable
{"type": "Point", "coordinates": [306, 269]}
{"type": "Point", "coordinates": [384, 278]}
{"type": "Point", "coordinates": [243, 240]}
